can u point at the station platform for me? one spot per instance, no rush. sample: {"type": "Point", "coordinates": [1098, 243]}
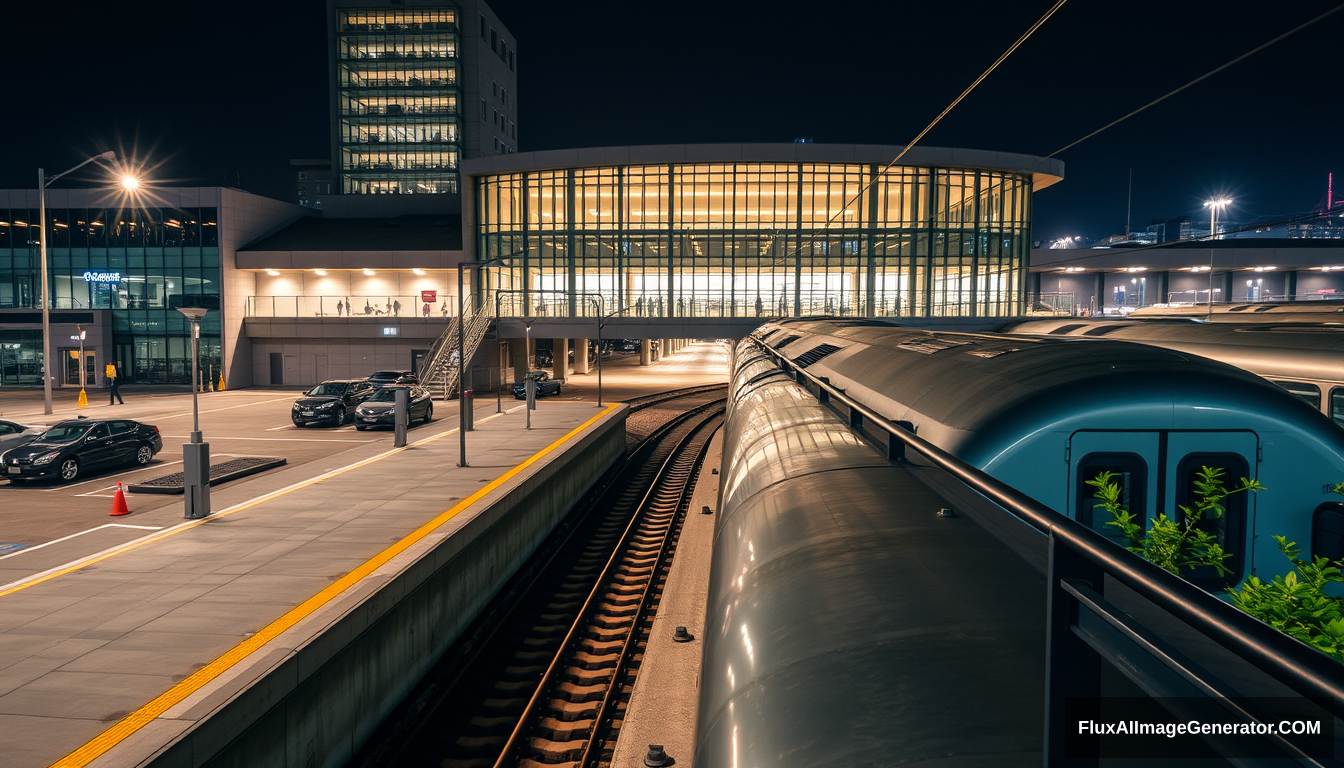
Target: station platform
{"type": "Point", "coordinates": [171, 645]}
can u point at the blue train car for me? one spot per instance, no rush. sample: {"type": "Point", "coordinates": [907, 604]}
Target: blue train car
{"type": "Point", "coordinates": [1045, 415]}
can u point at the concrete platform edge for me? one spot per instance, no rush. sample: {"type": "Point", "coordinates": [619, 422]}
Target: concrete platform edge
{"type": "Point", "coordinates": [317, 692]}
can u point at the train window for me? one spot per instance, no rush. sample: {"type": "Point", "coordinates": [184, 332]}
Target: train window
{"type": "Point", "coordinates": [1230, 529]}
{"type": "Point", "coordinates": [1308, 393]}
{"type": "Point", "coordinates": [1327, 531]}
{"type": "Point", "coordinates": [1337, 405]}
{"type": "Point", "coordinates": [1128, 470]}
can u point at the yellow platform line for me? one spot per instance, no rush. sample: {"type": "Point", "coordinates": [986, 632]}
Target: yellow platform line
{"type": "Point", "coordinates": [121, 549]}
{"type": "Point", "coordinates": [175, 695]}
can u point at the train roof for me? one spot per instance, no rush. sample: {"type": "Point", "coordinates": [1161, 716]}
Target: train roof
{"type": "Point", "coordinates": [973, 383]}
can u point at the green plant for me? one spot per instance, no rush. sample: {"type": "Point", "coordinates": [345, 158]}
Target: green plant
{"type": "Point", "coordinates": [1296, 603]}
{"type": "Point", "coordinates": [1171, 544]}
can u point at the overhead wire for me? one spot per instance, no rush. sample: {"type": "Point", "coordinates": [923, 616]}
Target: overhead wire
{"type": "Point", "coordinates": [927, 128]}
{"type": "Point", "coordinates": [1196, 81]}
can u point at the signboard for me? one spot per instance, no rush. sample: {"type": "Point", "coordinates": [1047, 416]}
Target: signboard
{"type": "Point", "coordinates": [429, 297]}
{"type": "Point", "coordinates": [391, 330]}
{"type": "Point", "coordinates": [102, 277]}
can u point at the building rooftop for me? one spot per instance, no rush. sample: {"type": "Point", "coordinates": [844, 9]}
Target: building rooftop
{"type": "Point", "coordinates": [437, 232]}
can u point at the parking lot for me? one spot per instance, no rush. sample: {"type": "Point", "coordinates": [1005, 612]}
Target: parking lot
{"type": "Point", "coordinates": [246, 423]}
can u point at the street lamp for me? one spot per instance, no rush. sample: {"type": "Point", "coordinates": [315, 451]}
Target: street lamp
{"type": "Point", "coordinates": [42, 183]}
{"type": "Point", "coordinates": [196, 454]}
{"type": "Point", "coordinates": [1214, 206]}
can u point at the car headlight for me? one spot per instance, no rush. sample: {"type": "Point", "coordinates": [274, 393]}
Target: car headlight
{"type": "Point", "coordinates": [327, 405]}
{"type": "Point", "coordinates": [297, 406]}
{"type": "Point", "coordinates": [46, 458]}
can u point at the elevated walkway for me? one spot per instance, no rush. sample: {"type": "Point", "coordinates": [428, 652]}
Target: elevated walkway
{"type": "Point", "coordinates": [282, 628]}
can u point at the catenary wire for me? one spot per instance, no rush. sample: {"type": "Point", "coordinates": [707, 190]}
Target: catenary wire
{"type": "Point", "coordinates": [1197, 80]}
{"type": "Point", "coordinates": [927, 128]}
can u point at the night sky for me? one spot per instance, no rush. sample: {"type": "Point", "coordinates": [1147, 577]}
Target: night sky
{"type": "Point", "coordinates": [228, 92]}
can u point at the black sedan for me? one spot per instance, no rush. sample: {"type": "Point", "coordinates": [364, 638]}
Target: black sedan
{"type": "Point", "coordinates": [331, 402]}
{"type": "Point", "coordinates": [545, 385]}
{"type": "Point", "coordinates": [381, 379]}
{"type": "Point", "coordinates": [377, 411]}
{"type": "Point", "coordinates": [75, 446]}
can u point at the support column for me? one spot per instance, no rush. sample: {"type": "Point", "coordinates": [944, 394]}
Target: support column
{"type": "Point", "coordinates": [645, 351]}
{"type": "Point", "coordinates": [580, 356]}
{"type": "Point", "coordinates": [521, 357]}
{"type": "Point", "coordinates": [560, 364]}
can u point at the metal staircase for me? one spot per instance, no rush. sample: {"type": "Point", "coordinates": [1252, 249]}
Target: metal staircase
{"type": "Point", "coordinates": [440, 371]}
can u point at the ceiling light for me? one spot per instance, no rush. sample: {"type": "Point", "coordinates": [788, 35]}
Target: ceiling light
{"type": "Point", "coordinates": [418, 271]}
{"type": "Point", "coordinates": [320, 272]}
{"type": "Point", "coordinates": [368, 272]}
{"type": "Point", "coordinates": [272, 273]}
{"type": "Point", "coordinates": [1265, 269]}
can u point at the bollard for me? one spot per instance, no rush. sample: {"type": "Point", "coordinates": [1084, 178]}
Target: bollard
{"type": "Point", "coordinates": [531, 388]}
{"type": "Point", "coordinates": [196, 480]}
{"type": "Point", "coordinates": [469, 408]}
{"type": "Point", "coordinates": [400, 412]}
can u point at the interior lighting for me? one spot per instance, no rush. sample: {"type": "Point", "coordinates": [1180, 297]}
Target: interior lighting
{"type": "Point", "coordinates": [1265, 269]}
{"type": "Point", "coordinates": [1199, 269]}
{"type": "Point", "coordinates": [272, 273]}
{"type": "Point", "coordinates": [320, 272]}
{"type": "Point", "coordinates": [418, 271]}
{"type": "Point", "coordinates": [1137, 269]}
{"type": "Point", "coordinates": [368, 272]}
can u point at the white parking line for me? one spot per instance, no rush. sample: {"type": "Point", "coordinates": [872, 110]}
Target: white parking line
{"type": "Point", "coordinates": [213, 438]}
{"type": "Point", "coordinates": [36, 547]}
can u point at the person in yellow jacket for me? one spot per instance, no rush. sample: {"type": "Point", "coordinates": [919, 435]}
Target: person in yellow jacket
{"type": "Point", "coordinates": [111, 372]}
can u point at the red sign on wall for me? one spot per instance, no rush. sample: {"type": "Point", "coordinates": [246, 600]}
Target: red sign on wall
{"type": "Point", "coordinates": [429, 297]}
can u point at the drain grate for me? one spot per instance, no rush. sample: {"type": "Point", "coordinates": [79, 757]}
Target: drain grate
{"type": "Point", "coordinates": [219, 473]}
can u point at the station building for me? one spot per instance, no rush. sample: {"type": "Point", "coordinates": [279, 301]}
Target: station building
{"type": "Point", "coordinates": [666, 242]}
{"type": "Point", "coordinates": [1117, 280]}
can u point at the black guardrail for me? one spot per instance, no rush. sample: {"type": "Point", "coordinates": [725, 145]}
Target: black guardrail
{"type": "Point", "coordinates": [1085, 629]}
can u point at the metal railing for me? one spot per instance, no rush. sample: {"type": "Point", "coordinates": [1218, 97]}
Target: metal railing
{"type": "Point", "coordinates": [440, 370]}
{"type": "Point", "coordinates": [372, 307]}
{"type": "Point", "coordinates": [1085, 629]}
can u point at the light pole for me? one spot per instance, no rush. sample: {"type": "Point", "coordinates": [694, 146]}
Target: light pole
{"type": "Point", "coordinates": [1213, 206]}
{"type": "Point", "coordinates": [196, 454]}
{"type": "Point", "coordinates": [43, 181]}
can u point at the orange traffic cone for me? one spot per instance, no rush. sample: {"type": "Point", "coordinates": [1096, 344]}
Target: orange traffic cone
{"type": "Point", "coordinates": [119, 504]}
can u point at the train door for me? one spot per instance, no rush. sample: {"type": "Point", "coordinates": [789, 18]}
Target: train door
{"type": "Point", "coordinates": [1235, 454]}
{"type": "Point", "coordinates": [1132, 458]}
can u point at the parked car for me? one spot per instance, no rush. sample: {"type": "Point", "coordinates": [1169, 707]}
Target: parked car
{"type": "Point", "coordinates": [331, 402]}
{"type": "Point", "coordinates": [545, 385]}
{"type": "Point", "coordinates": [629, 345]}
{"type": "Point", "coordinates": [13, 435]}
{"type": "Point", "coordinates": [377, 411]}
{"type": "Point", "coordinates": [74, 446]}
{"type": "Point", "coordinates": [382, 379]}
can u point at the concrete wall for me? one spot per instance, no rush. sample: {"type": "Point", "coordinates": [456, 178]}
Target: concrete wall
{"type": "Point", "coordinates": [322, 702]}
{"type": "Point", "coordinates": [243, 218]}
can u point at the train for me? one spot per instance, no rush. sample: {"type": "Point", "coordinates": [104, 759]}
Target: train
{"type": "Point", "coordinates": [1046, 414]}
{"type": "Point", "coordinates": [1317, 311]}
{"type": "Point", "coordinates": [840, 630]}
{"type": "Point", "coordinates": [1305, 358]}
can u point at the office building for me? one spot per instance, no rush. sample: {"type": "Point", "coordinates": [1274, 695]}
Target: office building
{"type": "Point", "coordinates": [415, 88]}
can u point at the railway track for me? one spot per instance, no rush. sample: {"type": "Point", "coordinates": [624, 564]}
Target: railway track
{"type": "Point", "coordinates": [543, 677]}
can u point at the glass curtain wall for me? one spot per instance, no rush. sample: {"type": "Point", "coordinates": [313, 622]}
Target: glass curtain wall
{"type": "Point", "coordinates": [141, 263]}
{"type": "Point", "coordinates": [398, 95]}
{"type": "Point", "coordinates": [757, 240]}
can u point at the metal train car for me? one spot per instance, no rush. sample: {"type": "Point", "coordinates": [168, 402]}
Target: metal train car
{"type": "Point", "coordinates": [1307, 359]}
{"type": "Point", "coordinates": [1047, 414]}
{"type": "Point", "coordinates": [836, 634]}
{"type": "Point", "coordinates": [1322, 311]}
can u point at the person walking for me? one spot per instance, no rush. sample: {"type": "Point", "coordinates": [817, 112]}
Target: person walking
{"type": "Point", "coordinates": [348, 304]}
{"type": "Point", "coordinates": [426, 310]}
{"type": "Point", "coordinates": [340, 308]}
{"type": "Point", "coordinates": [396, 308]}
{"type": "Point", "coordinates": [113, 381]}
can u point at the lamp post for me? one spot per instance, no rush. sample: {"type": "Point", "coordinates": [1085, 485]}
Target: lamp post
{"type": "Point", "coordinates": [195, 454]}
{"type": "Point", "coordinates": [1213, 206]}
{"type": "Point", "coordinates": [83, 396]}
{"type": "Point", "coordinates": [43, 181]}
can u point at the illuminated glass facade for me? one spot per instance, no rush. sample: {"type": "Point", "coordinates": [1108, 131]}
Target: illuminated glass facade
{"type": "Point", "coordinates": [140, 263]}
{"type": "Point", "coordinates": [398, 96]}
{"type": "Point", "coordinates": [758, 239]}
